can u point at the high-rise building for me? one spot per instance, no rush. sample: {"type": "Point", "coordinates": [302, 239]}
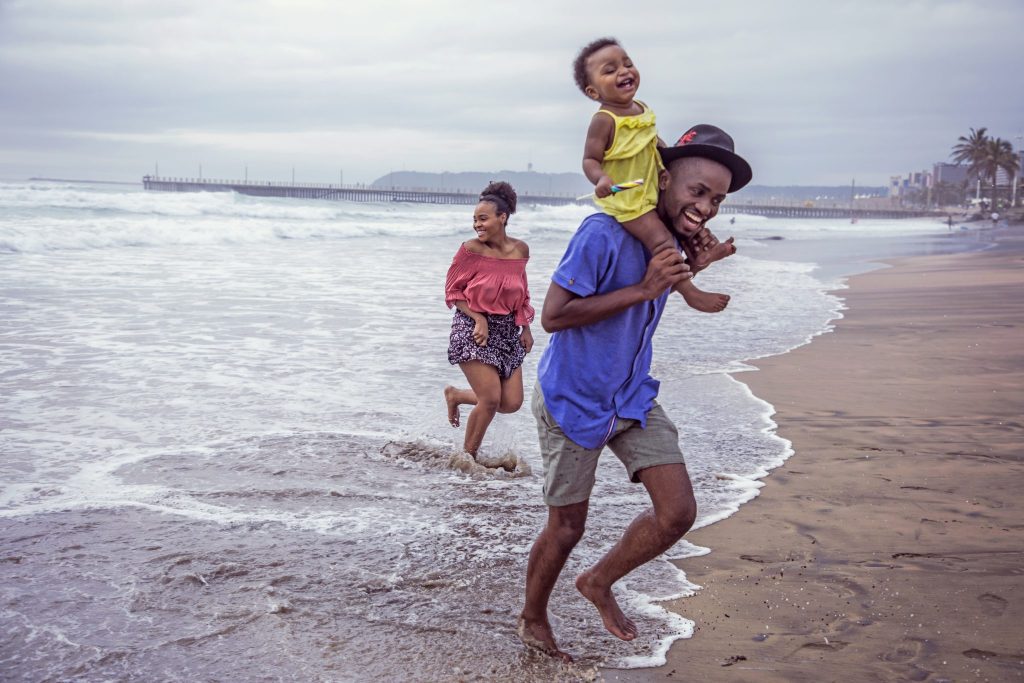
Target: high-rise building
{"type": "Point", "coordinates": [954, 174]}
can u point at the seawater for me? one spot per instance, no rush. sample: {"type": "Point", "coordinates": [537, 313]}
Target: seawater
{"type": "Point", "coordinates": [224, 452]}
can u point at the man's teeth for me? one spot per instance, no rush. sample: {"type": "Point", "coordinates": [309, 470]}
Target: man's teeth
{"type": "Point", "coordinates": [694, 217]}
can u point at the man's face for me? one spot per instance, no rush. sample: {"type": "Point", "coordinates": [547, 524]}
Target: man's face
{"type": "Point", "coordinates": [691, 190]}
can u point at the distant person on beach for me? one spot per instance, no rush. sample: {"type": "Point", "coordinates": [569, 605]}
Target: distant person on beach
{"type": "Point", "coordinates": [622, 146]}
{"type": "Point", "coordinates": [995, 218]}
{"type": "Point", "coordinates": [486, 284]}
{"type": "Point", "coordinates": [594, 387]}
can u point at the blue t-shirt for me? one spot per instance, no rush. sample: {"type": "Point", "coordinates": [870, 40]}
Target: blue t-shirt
{"type": "Point", "coordinates": [592, 374]}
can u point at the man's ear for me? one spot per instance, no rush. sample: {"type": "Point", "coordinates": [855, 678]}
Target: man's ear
{"type": "Point", "coordinates": [663, 180]}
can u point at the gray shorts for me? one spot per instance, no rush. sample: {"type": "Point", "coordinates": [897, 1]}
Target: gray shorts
{"type": "Point", "coordinates": [569, 468]}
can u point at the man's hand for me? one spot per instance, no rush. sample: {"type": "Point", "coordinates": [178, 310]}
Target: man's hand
{"type": "Point", "coordinates": [665, 270]}
{"type": "Point", "coordinates": [702, 248]}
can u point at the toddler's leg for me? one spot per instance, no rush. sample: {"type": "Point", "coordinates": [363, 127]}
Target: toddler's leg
{"type": "Point", "coordinates": [649, 229]}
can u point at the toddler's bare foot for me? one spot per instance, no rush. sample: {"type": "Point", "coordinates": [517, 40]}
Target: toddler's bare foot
{"type": "Point", "coordinates": [701, 256]}
{"type": "Point", "coordinates": [702, 248]}
{"type": "Point", "coordinates": [453, 405]}
{"type": "Point", "coordinates": [617, 623]}
{"type": "Point", "coordinates": [538, 635]}
{"type": "Point", "coordinates": [707, 302]}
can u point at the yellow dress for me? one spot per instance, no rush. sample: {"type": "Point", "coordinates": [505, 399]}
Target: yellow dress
{"type": "Point", "coordinates": [633, 154]}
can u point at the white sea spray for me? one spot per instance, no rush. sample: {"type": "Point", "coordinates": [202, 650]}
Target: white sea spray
{"type": "Point", "coordinates": [223, 417]}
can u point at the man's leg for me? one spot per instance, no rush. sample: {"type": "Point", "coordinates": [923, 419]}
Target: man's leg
{"type": "Point", "coordinates": [651, 533]}
{"type": "Point", "coordinates": [547, 558]}
{"type": "Point", "coordinates": [568, 480]}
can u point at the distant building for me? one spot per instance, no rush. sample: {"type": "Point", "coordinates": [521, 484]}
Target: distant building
{"type": "Point", "coordinates": [895, 186]}
{"type": "Point", "coordinates": [1004, 178]}
{"type": "Point", "coordinates": [915, 180]}
{"type": "Point", "coordinates": [954, 174]}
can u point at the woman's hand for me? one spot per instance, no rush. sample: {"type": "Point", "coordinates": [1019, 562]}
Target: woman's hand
{"type": "Point", "coordinates": [526, 338]}
{"type": "Point", "coordinates": [481, 331]}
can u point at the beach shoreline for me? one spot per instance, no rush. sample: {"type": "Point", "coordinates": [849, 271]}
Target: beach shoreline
{"type": "Point", "coordinates": [889, 546]}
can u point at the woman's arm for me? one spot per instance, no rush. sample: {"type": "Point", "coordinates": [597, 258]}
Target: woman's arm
{"type": "Point", "coordinates": [526, 338]}
{"type": "Point", "coordinates": [564, 310]}
{"type": "Point", "coordinates": [480, 330]}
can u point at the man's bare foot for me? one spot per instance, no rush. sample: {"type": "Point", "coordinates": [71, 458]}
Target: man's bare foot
{"type": "Point", "coordinates": [539, 636]}
{"type": "Point", "coordinates": [453, 406]}
{"type": "Point", "coordinates": [708, 302]}
{"type": "Point", "coordinates": [617, 623]}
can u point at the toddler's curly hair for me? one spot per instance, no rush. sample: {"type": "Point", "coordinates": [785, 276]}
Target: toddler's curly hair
{"type": "Point", "coordinates": [579, 65]}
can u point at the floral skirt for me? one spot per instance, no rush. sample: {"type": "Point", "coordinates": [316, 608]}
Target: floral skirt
{"type": "Point", "coordinates": [503, 350]}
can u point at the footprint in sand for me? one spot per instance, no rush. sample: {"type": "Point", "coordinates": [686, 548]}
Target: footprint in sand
{"type": "Point", "coordinates": [908, 650]}
{"type": "Point", "coordinates": [992, 604]}
{"type": "Point", "coordinates": [825, 646]}
{"type": "Point", "coordinates": [1015, 660]}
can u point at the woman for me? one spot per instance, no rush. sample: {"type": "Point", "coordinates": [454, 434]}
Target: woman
{"type": "Point", "coordinates": [490, 336]}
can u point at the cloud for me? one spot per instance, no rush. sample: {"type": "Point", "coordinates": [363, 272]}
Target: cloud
{"type": "Point", "coordinates": [810, 90]}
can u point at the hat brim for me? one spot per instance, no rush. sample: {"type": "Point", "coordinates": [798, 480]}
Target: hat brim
{"type": "Point", "coordinates": [741, 171]}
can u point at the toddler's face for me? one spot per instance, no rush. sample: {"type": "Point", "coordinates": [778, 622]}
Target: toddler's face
{"type": "Point", "coordinates": [612, 77]}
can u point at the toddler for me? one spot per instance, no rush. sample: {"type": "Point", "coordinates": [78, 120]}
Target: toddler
{"type": "Point", "coordinates": [622, 145]}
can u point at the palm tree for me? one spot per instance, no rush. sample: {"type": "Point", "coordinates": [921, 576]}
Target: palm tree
{"type": "Point", "coordinates": [998, 154]}
{"type": "Point", "coordinates": [970, 148]}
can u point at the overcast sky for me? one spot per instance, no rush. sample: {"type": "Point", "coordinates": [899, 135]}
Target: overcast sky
{"type": "Point", "coordinates": [813, 92]}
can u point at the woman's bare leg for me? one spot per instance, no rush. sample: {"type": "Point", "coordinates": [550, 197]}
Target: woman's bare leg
{"type": "Point", "coordinates": [486, 386]}
{"type": "Point", "coordinates": [455, 397]}
{"type": "Point", "coordinates": [512, 392]}
{"type": "Point", "coordinates": [511, 397]}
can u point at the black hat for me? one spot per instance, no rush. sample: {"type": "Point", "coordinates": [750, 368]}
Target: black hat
{"type": "Point", "coordinates": [713, 143]}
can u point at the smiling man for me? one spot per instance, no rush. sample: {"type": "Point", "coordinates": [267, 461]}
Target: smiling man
{"type": "Point", "coordinates": [594, 387]}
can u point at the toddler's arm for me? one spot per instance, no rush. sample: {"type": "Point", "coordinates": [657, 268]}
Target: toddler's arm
{"type": "Point", "coordinates": [599, 138]}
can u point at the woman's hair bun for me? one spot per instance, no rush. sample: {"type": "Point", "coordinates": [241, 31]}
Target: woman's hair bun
{"type": "Point", "coordinates": [503, 191]}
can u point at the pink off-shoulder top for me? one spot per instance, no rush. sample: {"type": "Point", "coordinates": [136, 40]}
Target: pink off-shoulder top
{"type": "Point", "coordinates": [489, 285]}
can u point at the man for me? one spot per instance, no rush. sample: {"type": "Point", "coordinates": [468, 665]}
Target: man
{"type": "Point", "coordinates": [594, 386]}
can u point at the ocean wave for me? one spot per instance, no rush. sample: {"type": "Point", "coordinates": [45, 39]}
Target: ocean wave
{"type": "Point", "coordinates": [52, 217]}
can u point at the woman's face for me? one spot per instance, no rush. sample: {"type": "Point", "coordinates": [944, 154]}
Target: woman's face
{"type": "Point", "coordinates": [487, 222]}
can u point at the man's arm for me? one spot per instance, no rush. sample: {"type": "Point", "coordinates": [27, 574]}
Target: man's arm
{"type": "Point", "coordinates": [564, 310]}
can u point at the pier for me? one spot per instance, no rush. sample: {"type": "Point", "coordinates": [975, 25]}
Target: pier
{"type": "Point", "coordinates": [359, 193]}
{"type": "Point", "coordinates": [328, 191]}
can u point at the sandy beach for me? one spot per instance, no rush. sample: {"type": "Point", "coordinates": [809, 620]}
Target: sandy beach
{"type": "Point", "coordinates": [890, 546]}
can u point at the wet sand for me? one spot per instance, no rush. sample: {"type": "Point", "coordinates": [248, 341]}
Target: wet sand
{"type": "Point", "coordinates": [890, 547]}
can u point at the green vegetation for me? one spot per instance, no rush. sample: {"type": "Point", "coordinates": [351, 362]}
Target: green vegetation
{"type": "Point", "coordinates": [985, 156]}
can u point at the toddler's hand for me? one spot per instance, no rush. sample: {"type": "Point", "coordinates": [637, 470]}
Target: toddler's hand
{"type": "Point", "coordinates": [603, 187]}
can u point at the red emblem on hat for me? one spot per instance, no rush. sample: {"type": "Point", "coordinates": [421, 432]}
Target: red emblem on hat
{"type": "Point", "coordinates": [687, 138]}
